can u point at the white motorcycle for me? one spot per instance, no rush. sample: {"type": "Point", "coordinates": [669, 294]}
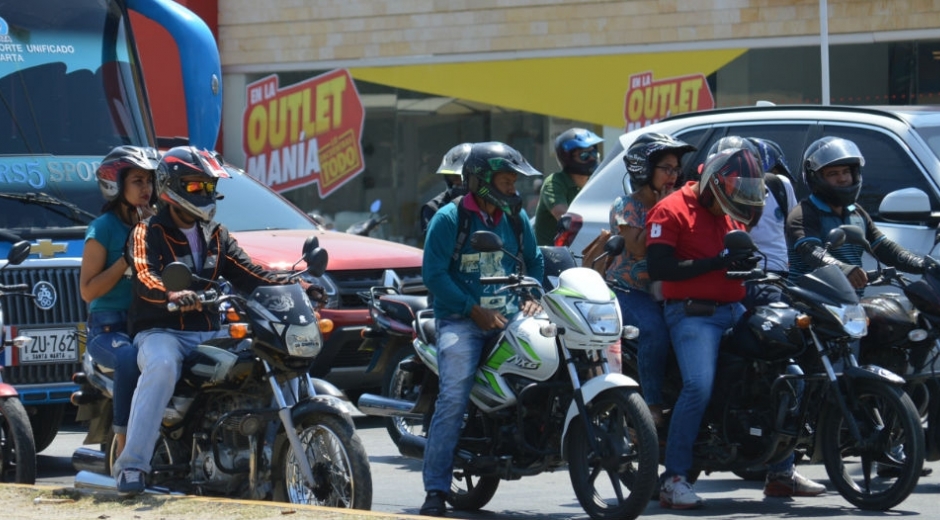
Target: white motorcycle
{"type": "Point", "coordinates": [544, 397]}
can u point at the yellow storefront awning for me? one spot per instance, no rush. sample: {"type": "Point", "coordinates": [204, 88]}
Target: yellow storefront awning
{"type": "Point", "coordinates": [587, 88]}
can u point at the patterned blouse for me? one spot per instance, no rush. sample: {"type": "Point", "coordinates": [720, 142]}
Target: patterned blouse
{"type": "Point", "coordinates": [627, 270]}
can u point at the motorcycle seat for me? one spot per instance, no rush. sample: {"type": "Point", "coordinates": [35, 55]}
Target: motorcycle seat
{"type": "Point", "coordinates": [416, 303]}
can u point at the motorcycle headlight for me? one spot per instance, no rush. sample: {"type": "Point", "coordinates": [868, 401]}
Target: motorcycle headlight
{"type": "Point", "coordinates": [332, 292]}
{"type": "Point", "coordinates": [852, 317]}
{"type": "Point", "coordinates": [603, 318]}
{"type": "Point", "coordinates": [304, 341]}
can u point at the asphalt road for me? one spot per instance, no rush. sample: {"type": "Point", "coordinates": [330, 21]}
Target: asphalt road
{"type": "Point", "coordinates": [397, 489]}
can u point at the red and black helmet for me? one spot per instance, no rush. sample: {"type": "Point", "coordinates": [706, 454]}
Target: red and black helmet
{"type": "Point", "coordinates": [197, 195]}
{"type": "Point", "coordinates": [114, 167]}
{"type": "Point", "coordinates": [734, 179]}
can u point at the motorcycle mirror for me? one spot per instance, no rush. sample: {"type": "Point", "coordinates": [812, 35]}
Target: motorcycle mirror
{"type": "Point", "coordinates": [567, 229]}
{"type": "Point", "coordinates": [18, 253]}
{"type": "Point", "coordinates": [177, 277]}
{"type": "Point", "coordinates": [738, 240]}
{"type": "Point", "coordinates": [310, 244]}
{"type": "Point", "coordinates": [835, 238]}
{"type": "Point", "coordinates": [486, 241]}
{"type": "Point", "coordinates": [316, 259]}
{"type": "Point", "coordinates": [376, 206]}
{"type": "Point", "coordinates": [854, 235]}
{"type": "Point", "coordinates": [614, 245]}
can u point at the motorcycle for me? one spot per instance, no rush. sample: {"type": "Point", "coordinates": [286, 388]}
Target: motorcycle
{"type": "Point", "coordinates": [535, 405]}
{"type": "Point", "coordinates": [246, 420]}
{"type": "Point", "coordinates": [17, 447]}
{"type": "Point", "coordinates": [777, 389]}
{"type": "Point", "coordinates": [365, 227]}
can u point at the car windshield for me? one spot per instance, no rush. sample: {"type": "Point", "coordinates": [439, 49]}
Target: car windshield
{"type": "Point", "coordinates": [248, 205]}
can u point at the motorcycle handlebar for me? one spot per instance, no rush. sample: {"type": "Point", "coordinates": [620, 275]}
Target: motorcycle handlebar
{"type": "Point", "coordinates": [204, 297]}
{"type": "Point", "coordinates": [746, 275]}
{"type": "Point", "coordinates": [15, 288]}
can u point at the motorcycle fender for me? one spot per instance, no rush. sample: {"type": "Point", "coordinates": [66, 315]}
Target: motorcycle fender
{"type": "Point", "coordinates": [322, 404]}
{"type": "Point", "coordinates": [875, 373]}
{"type": "Point", "coordinates": [7, 390]}
{"type": "Point", "coordinates": [382, 354]}
{"type": "Point", "coordinates": [590, 390]}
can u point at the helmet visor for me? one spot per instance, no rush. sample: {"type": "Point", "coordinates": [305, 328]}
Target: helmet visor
{"type": "Point", "coordinates": [517, 165]}
{"type": "Point", "coordinates": [835, 151]}
{"type": "Point", "coordinates": [745, 190]}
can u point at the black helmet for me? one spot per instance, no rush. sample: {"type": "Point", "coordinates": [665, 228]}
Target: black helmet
{"type": "Point", "coordinates": [771, 156]}
{"type": "Point", "coordinates": [452, 165]}
{"type": "Point", "coordinates": [733, 178]}
{"type": "Point", "coordinates": [188, 161]}
{"type": "Point", "coordinates": [483, 162]}
{"type": "Point", "coordinates": [114, 166]}
{"type": "Point", "coordinates": [646, 151]}
{"type": "Point", "coordinates": [733, 142]}
{"type": "Point", "coordinates": [577, 139]}
{"type": "Point", "coordinates": [833, 151]}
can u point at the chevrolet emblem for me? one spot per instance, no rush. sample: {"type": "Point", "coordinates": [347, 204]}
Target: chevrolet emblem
{"type": "Point", "coordinates": [46, 249]}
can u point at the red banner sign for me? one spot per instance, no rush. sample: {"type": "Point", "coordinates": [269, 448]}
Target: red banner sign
{"type": "Point", "coordinates": [648, 101]}
{"type": "Point", "coordinates": [308, 132]}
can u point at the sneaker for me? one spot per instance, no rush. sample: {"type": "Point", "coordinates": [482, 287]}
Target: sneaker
{"type": "Point", "coordinates": [677, 493]}
{"type": "Point", "coordinates": [434, 504]}
{"type": "Point", "coordinates": [791, 484]}
{"type": "Point", "coordinates": [131, 482]}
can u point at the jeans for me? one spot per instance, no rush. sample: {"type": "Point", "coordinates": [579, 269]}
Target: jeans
{"type": "Point", "coordinates": [459, 347]}
{"type": "Point", "coordinates": [695, 340]}
{"type": "Point", "coordinates": [160, 358]}
{"type": "Point", "coordinates": [111, 347]}
{"type": "Point", "coordinates": [641, 310]}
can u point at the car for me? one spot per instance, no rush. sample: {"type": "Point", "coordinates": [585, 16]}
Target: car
{"type": "Point", "coordinates": [272, 231]}
{"type": "Point", "coordinates": [901, 145]}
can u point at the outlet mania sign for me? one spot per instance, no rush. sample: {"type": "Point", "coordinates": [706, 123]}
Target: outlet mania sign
{"type": "Point", "coordinates": [308, 132]}
{"type": "Point", "coordinates": [648, 101]}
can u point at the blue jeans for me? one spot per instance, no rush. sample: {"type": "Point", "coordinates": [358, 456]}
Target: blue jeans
{"type": "Point", "coordinates": [695, 340]}
{"type": "Point", "coordinates": [641, 310]}
{"type": "Point", "coordinates": [111, 347]}
{"type": "Point", "coordinates": [459, 347]}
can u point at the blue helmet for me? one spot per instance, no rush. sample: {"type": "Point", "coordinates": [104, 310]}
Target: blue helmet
{"type": "Point", "coordinates": [771, 156]}
{"type": "Point", "coordinates": [577, 139]}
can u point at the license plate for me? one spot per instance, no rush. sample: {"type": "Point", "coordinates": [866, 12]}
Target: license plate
{"type": "Point", "coordinates": [50, 346]}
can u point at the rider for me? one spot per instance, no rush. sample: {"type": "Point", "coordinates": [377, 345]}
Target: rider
{"type": "Point", "coordinates": [469, 313]}
{"type": "Point", "coordinates": [577, 153]}
{"type": "Point", "coordinates": [181, 231]}
{"type": "Point", "coordinates": [450, 169]}
{"type": "Point", "coordinates": [653, 164]}
{"type": "Point", "coordinates": [684, 249]}
{"type": "Point", "coordinates": [832, 171]}
{"type": "Point", "coordinates": [125, 178]}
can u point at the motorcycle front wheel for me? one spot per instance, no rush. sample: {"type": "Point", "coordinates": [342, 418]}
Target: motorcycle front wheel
{"type": "Point", "coordinates": [17, 450]}
{"type": "Point", "coordinates": [891, 434]}
{"type": "Point", "coordinates": [471, 492]}
{"type": "Point", "coordinates": [341, 473]}
{"type": "Point", "coordinates": [616, 480]}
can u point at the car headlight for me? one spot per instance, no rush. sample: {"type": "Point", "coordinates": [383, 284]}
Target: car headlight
{"type": "Point", "coordinates": [603, 318]}
{"type": "Point", "coordinates": [304, 341]}
{"type": "Point", "coordinates": [332, 292]}
{"type": "Point", "coordinates": [852, 317]}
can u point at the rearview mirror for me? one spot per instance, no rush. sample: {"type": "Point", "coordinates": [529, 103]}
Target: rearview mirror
{"type": "Point", "coordinates": [614, 245]}
{"type": "Point", "coordinates": [855, 235]}
{"type": "Point", "coordinates": [739, 240]}
{"type": "Point", "coordinates": [835, 239]}
{"type": "Point", "coordinates": [18, 253]}
{"type": "Point", "coordinates": [316, 259]}
{"type": "Point", "coordinates": [486, 241]}
{"type": "Point", "coordinates": [310, 244]}
{"type": "Point", "coordinates": [909, 205]}
{"type": "Point", "coordinates": [177, 277]}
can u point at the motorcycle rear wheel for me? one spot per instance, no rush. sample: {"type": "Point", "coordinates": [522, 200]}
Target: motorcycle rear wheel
{"type": "Point", "coordinates": [400, 384]}
{"type": "Point", "coordinates": [887, 420]}
{"type": "Point", "coordinates": [618, 481]}
{"type": "Point", "coordinates": [17, 450]}
{"type": "Point", "coordinates": [340, 465]}
{"type": "Point", "coordinates": [471, 492]}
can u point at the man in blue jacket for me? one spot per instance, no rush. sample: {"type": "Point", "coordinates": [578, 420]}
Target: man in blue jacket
{"type": "Point", "coordinates": [469, 313]}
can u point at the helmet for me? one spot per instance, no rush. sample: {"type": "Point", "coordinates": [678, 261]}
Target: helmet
{"type": "Point", "coordinates": [114, 166]}
{"type": "Point", "coordinates": [733, 178]}
{"type": "Point", "coordinates": [452, 164]}
{"type": "Point", "coordinates": [833, 151]}
{"type": "Point", "coordinates": [646, 151]}
{"type": "Point", "coordinates": [189, 161]}
{"type": "Point", "coordinates": [483, 162]}
{"type": "Point", "coordinates": [576, 139]}
{"type": "Point", "coordinates": [771, 156]}
{"type": "Point", "coordinates": [734, 142]}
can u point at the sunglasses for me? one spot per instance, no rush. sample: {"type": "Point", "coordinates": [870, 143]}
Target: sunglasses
{"type": "Point", "coordinates": [197, 186]}
{"type": "Point", "coordinates": [585, 155]}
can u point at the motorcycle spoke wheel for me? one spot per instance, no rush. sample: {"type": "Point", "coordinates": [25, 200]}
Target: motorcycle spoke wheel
{"type": "Point", "coordinates": [617, 480]}
{"type": "Point", "coordinates": [17, 451]}
{"type": "Point", "coordinates": [471, 492]}
{"type": "Point", "coordinates": [891, 432]}
{"type": "Point", "coordinates": [341, 473]}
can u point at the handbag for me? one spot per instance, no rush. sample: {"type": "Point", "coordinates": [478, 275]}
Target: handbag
{"type": "Point", "coordinates": [594, 250]}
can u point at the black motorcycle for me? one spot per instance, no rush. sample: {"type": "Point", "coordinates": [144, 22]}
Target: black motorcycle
{"type": "Point", "coordinates": [246, 420]}
{"type": "Point", "coordinates": [788, 378]}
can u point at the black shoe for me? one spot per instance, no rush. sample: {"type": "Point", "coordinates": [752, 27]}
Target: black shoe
{"type": "Point", "coordinates": [434, 504]}
{"type": "Point", "coordinates": [885, 471]}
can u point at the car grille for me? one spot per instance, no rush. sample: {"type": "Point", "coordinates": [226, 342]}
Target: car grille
{"type": "Point", "coordinates": [351, 283]}
{"type": "Point", "coordinates": [69, 310]}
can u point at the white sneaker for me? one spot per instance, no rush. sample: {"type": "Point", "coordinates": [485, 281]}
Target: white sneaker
{"type": "Point", "coordinates": [677, 493]}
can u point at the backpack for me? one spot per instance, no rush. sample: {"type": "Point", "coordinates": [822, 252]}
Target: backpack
{"type": "Point", "coordinates": [463, 230]}
{"type": "Point", "coordinates": [777, 189]}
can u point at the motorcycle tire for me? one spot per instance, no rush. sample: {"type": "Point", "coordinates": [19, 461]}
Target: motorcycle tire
{"type": "Point", "coordinates": [400, 384]}
{"type": "Point", "coordinates": [618, 481]}
{"type": "Point", "coordinates": [471, 492]}
{"type": "Point", "coordinates": [891, 430]}
{"type": "Point", "coordinates": [340, 465]}
{"type": "Point", "coordinates": [45, 424]}
{"type": "Point", "coordinates": [17, 448]}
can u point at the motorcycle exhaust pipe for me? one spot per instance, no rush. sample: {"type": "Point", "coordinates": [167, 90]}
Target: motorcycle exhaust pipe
{"type": "Point", "coordinates": [95, 481]}
{"type": "Point", "coordinates": [371, 404]}
{"type": "Point", "coordinates": [412, 446]}
{"type": "Point", "coordinates": [87, 459]}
